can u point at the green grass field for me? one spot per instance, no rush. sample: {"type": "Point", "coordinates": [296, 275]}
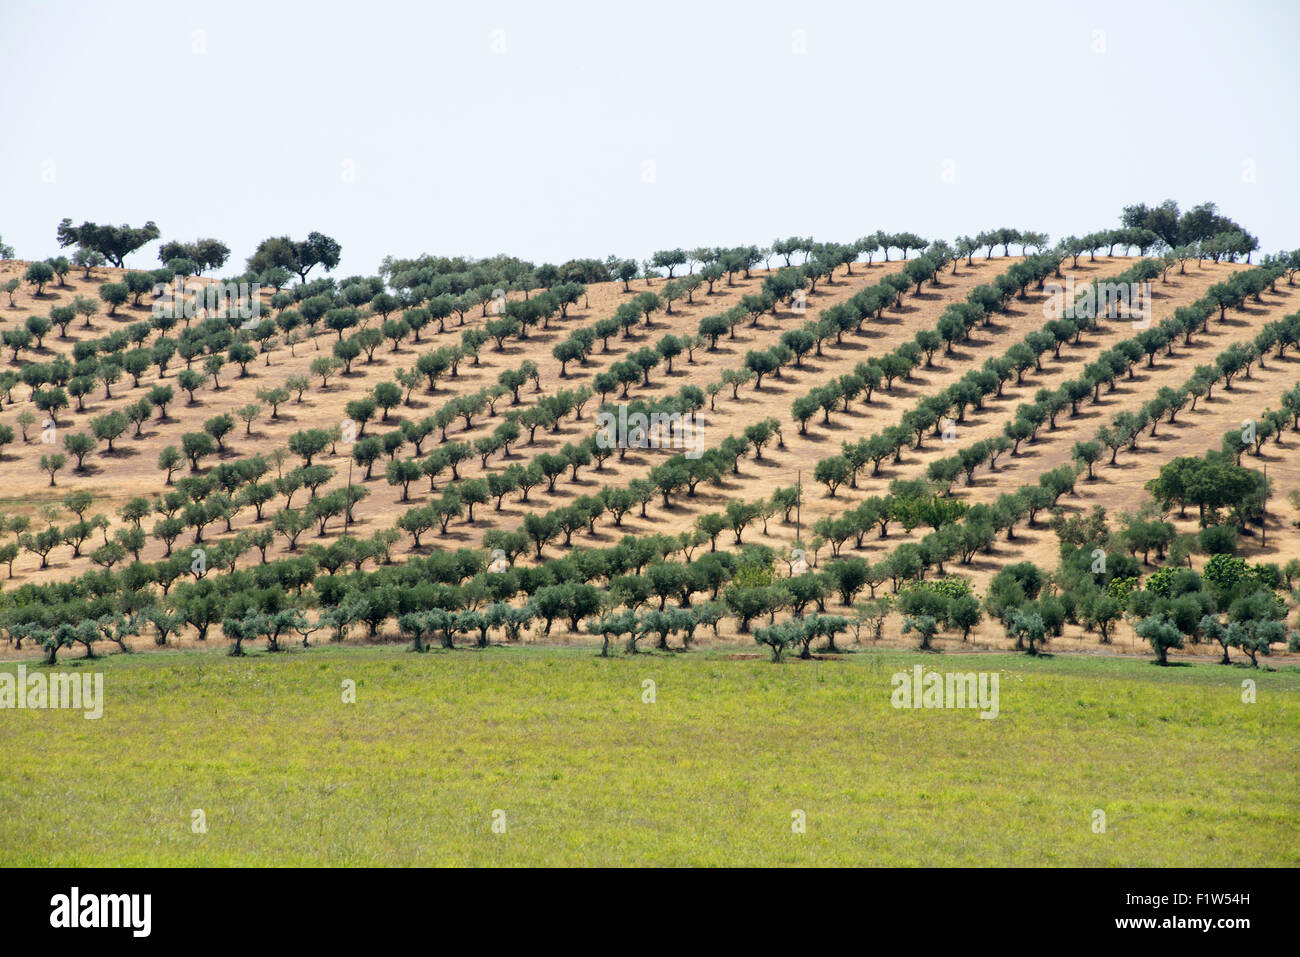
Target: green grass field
{"type": "Point", "coordinates": [709, 774]}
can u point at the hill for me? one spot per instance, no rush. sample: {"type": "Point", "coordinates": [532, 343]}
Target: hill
{"type": "Point", "coordinates": [128, 470]}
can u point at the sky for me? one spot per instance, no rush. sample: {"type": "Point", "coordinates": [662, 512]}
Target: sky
{"type": "Point", "coordinates": [553, 131]}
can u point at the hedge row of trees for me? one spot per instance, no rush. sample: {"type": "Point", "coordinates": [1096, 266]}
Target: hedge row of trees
{"type": "Point", "coordinates": [679, 473]}
{"type": "Point", "coordinates": [1242, 490]}
{"type": "Point", "coordinates": [211, 337]}
{"type": "Point", "coordinates": [319, 301]}
{"type": "Point", "coordinates": [953, 326]}
{"type": "Point", "coordinates": [213, 332]}
{"type": "Point", "coordinates": [974, 528]}
{"type": "Point", "coordinates": [908, 502]}
{"type": "Point", "coordinates": [267, 615]}
{"type": "Point", "coordinates": [603, 591]}
{"type": "Point", "coordinates": [664, 480]}
{"type": "Point", "coordinates": [197, 444]}
{"type": "Point", "coordinates": [931, 412]}
{"type": "Point", "coordinates": [455, 581]}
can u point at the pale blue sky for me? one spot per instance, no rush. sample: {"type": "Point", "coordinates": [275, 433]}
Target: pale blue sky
{"type": "Point", "coordinates": [238, 119]}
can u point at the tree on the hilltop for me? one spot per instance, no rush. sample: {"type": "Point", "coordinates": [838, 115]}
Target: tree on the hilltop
{"type": "Point", "coordinates": [114, 243]}
{"type": "Point", "coordinates": [297, 257]}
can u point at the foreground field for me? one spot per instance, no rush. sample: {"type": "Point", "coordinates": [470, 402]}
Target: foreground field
{"type": "Point", "coordinates": [587, 772]}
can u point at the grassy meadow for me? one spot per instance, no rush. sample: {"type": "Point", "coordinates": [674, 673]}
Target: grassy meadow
{"type": "Point", "coordinates": [711, 772]}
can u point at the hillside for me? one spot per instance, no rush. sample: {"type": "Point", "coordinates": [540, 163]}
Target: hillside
{"type": "Point", "coordinates": [130, 469]}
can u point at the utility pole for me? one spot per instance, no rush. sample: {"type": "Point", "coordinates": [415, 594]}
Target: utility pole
{"type": "Point", "coordinates": [1263, 513]}
{"type": "Point", "coordinates": [347, 511]}
{"type": "Point", "coordinates": [798, 501]}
